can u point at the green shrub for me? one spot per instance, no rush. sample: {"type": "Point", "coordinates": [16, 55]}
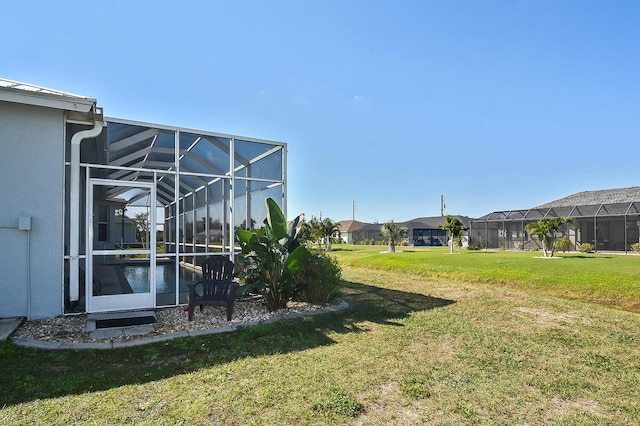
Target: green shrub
{"type": "Point", "coordinates": [370, 242]}
{"type": "Point", "coordinates": [635, 247]}
{"type": "Point", "coordinates": [563, 243]}
{"type": "Point", "coordinates": [474, 247]}
{"type": "Point", "coordinates": [320, 279]}
{"type": "Point", "coordinates": [585, 248]}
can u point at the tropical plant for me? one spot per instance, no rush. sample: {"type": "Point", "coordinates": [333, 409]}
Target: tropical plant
{"type": "Point", "coordinates": [563, 243]}
{"type": "Point", "coordinates": [142, 227]}
{"type": "Point", "coordinates": [272, 256]}
{"type": "Point", "coordinates": [635, 247]}
{"type": "Point", "coordinates": [393, 233]}
{"type": "Point", "coordinates": [313, 230]}
{"type": "Point", "coordinates": [545, 230]}
{"type": "Point", "coordinates": [456, 230]}
{"type": "Point", "coordinates": [586, 248]}
{"type": "Point", "coordinates": [321, 231]}
{"type": "Point", "coordinates": [329, 227]}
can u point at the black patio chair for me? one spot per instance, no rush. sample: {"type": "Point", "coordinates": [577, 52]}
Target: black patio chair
{"type": "Point", "coordinates": [217, 285]}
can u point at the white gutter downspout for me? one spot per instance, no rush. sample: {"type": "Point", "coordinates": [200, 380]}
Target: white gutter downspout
{"type": "Point", "coordinates": [74, 208]}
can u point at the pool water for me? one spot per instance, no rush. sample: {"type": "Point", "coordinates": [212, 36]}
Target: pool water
{"type": "Point", "coordinates": [138, 277]}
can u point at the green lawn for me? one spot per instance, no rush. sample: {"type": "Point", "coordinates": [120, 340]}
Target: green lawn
{"type": "Point", "coordinates": [464, 348]}
{"type": "Point", "coordinates": [612, 279]}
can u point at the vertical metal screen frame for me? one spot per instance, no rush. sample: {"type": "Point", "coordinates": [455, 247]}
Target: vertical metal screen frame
{"type": "Point", "coordinates": [90, 252]}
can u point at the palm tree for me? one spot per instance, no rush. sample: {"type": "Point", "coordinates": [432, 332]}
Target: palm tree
{"type": "Point", "coordinates": [329, 227]}
{"type": "Point", "coordinates": [391, 231]}
{"type": "Point", "coordinates": [315, 230]}
{"type": "Point", "coordinates": [142, 227]}
{"type": "Point", "coordinates": [321, 231]}
{"type": "Point", "coordinates": [545, 230]}
{"type": "Point", "coordinates": [456, 230]}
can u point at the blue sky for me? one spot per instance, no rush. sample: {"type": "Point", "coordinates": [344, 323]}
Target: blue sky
{"type": "Point", "coordinates": [496, 104]}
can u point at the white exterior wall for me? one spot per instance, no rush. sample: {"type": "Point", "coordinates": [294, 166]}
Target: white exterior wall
{"type": "Point", "coordinates": [347, 237]}
{"type": "Point", "coordinates": [31, 185]}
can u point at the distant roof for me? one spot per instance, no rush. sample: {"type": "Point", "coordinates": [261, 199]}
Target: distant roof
{"type": "Point", "coordinates": [30, 94]}
{"type": "Point", "coordinates": [604, 196]}
{"type": "Point", "coordinates": [371, 227]}
{"type": "Point", "coordinates": [432, 222]}
{"type": "Point", "coordinates": [350, 225]}
{"type": "Point", "coordinates": [604, 202]}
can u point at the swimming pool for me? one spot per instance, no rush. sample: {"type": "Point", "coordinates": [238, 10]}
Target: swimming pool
{"type": "Point", "coordinates": [138, 278]}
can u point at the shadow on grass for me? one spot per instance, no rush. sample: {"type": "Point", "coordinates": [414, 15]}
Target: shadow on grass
{"type": "Point", "coordinates": [581, 256]}
{"type": "Point", "coordinates": [29, 374]}
{"type": "Point", "coordinates": [341, 249]}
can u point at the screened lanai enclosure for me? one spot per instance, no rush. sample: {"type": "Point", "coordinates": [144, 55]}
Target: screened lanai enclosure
{"type": "Point", "coordinates": [608, 226]}
{"type": "Point", "coordinates": [155, 201]}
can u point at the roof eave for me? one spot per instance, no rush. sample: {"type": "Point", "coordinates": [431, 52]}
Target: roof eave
{"type": "Point", "coordinates": [47, 100]}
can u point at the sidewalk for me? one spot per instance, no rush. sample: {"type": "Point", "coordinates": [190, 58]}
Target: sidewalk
{"type": "Point", "coordinates": [8, 326]}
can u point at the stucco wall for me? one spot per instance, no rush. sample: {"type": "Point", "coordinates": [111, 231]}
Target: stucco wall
{"type": "Point", "coordinates": [31, 184]}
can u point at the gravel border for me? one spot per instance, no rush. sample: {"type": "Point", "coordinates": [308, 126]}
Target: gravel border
{"type": "Point", "coordinates": [70, 332]}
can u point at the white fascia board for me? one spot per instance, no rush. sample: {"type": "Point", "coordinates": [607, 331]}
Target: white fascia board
{"type": "Point", "coordinates": [48, 101]}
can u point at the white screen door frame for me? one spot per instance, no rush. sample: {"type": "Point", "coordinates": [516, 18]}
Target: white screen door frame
{"type": "Point", "coordinates": [127, 301]}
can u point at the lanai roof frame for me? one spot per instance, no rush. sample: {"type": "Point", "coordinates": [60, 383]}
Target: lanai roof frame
{"type": "Point", "coordinates": [132, 161]}
{"type": "Point", "coordinates": [599, 210]}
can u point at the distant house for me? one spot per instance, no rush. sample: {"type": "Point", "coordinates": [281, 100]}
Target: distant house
{"type": "Point", "coordinates": [69, 173]}
{"type": "Point", "coordinates": [368, 233]}
{"type": "Point", "coordinates": [425, 231]}
{"type": "Point", "coordinates": [347, 228]}
{"type": "Point", "coordinates": [422, 231]}
{"type": "Point", "coordinates": [124, 229]}
{"type": "Point", "coordinates": [609, 219]}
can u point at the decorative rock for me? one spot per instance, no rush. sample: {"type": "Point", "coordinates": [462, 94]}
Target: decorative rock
{"type": "Point", "coordinates": [53, 332]}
